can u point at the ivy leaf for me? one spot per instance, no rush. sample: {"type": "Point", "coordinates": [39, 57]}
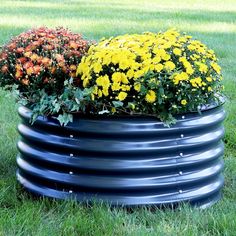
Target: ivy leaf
{"type": "Point", "coordinates": [87, 91]}
{"type": "Point", "coordinates": [65, 118]}
{"type": "Point", "coordinates": [78, 95]}
{"type": "Point", "coordinates": [77, 101]}
{"type": "Point", "coordinates": [117, 104]}
{"type": "Point", "coordinates": [167, 119]}
{"type": "Point", "coordinates": [68, 81]}
{"type": "Point", "coordinates": [75, 107]}
{"type": "Point", "coordinates": [34, 117]}
{"type": "Point", "coordinates": [56, 106]}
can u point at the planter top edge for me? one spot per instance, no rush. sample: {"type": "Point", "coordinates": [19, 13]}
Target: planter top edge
{"type": "Point", "coordinates": [204, 108]}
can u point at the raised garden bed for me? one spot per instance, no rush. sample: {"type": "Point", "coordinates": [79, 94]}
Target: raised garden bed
{"type": "Point", "coordinates": [124, 160]}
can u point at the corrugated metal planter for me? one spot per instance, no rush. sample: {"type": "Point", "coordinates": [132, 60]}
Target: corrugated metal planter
{"type": "Point", "coordinates": [124, 160]}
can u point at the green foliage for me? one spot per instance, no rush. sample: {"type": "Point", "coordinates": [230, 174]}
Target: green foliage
{"type": "Point", "coordinates": [72, 100]}
{"type": "Point", "coordinates": [118, 104]}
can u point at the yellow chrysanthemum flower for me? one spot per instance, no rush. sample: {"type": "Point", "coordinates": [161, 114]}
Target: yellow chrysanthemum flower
{"type": "Point", "coordinates": [189, 70]}
{"type": "Point", "coordinates": [209, 79]}
{"type": "Point", "coordinates": [202, 67]}
{"type": "Point", "coordinates": [113, 109]}
{"type": "Point", "coordinates": [124, 64]}
{"type": "Point", "coordinates": [137, 87]}
{"type": "Point", "coordinates": [169, 65]}
{"type": "Point", "coordinates": [125, 87]}
{"type": "Point", "coordinates": [196, 82]}
{"type": "Point", "coordinates": [138, 74]}
{"type": "Point", "coordinates": [99, 93]}
{"type": "Point", "coordinates": [118, 77]}
{"type": "Point", "coordinates": [177, 51]}
{"type": "Point", "coordinates": [180, 77]}
{"type": "Point", "coordinates": [115, 86]}
{"type": "Point", "coordinates": [122, 96]}
{"type": "Point", "coordinates": [97, 67]}
{"type": "Point", "coordinates": [159, 67]}
{"type": "Point", "coordinates": [130, 73]}
{"type": "Point", "coordinates": [216, 67]}
{"type": "Point", "coordinates": [150, 96]}
{"type": "Point", "coordinates": [103, 81]}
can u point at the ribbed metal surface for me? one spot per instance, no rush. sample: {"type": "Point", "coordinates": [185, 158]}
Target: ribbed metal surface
{"type": "Point", "coordinates": [124, 160]}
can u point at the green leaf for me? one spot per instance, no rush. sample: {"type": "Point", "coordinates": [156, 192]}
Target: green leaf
{"type": "Point", "coordinates": [131, 105]}
{"type": "Point", "coordinates": [117, 103]}
{"type": "Point", "coordinates": [65, 118]}
{"type": "Point", "coordinates": [87, 91]}
{"type": "Point", "coordinates": [56, 106]}
{"type": "Point", "coordinates": [75, 107]}
{"type": "Point", "coordinates": [33, 117]}
{"type": "Point", "coordinates": [78, 94]}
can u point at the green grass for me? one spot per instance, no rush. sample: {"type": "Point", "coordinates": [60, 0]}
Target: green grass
{"type": "Point", "coordinates": [213, 22]}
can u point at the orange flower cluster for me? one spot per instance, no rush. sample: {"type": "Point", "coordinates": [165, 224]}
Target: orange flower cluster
{"type": "Point", "coordinates": [41, 58]}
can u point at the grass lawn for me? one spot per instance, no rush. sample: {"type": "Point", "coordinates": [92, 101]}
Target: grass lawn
{"type": "Point", "coordinates": [213, 22]}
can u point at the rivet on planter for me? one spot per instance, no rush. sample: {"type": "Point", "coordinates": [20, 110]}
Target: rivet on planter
{"type": "Point", "coordinates": [181, 154]}
{"type": "Point", "coordinates": [71, 173]}
{"type": "Point", "coordinates": [71, 154]}
{"type": "Point", "coordinates": [71, 136]}
{"type": "Point", "coordinates": [70, 191]}
{"type": "Point", "coordinates": [180, 173]}
{"type": "Point", "coordinates": [180, 191]}
{"type": "Point", "coordinates": [181, 135]}
{"type": "Point", "coordinates": [183, 117]}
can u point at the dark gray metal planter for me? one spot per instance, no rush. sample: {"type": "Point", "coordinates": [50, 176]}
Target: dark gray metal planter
{"type": "Point", "coordinates": [125, 161]}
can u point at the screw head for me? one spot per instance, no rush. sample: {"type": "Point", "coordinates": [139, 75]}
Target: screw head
{"type": "Point", "coordinates": [71, 154]}
{"type": "Point", "coordinates": [181, 154]}
{"type": "Point", "coordinates": [180, 191]}
{"type": "Point", "coordinates": [180, 172]}
{"type": "Point", "coordinates": [70, 191]}
{"type": "Point", "coordinates": [71, 173]}
{"type": "Point", "coordinates": [71, 136]}
{"type": "Point", "coordinates": [181, 135]}
{"type": "Point", "coordinates": [183, 117]}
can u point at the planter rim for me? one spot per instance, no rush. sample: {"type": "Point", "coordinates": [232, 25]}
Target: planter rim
{"type": "Point", "coordinates": [203, 108]}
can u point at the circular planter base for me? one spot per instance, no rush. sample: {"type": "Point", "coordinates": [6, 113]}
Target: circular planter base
{"type": "Point", "coordinates": [202, 200]}
{"type": "Point", "coordinates": [124, 161]}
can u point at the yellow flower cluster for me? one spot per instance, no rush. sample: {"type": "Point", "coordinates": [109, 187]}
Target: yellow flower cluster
{"type": "Point", "coordinates": [150, 96]}
{"type": "Point", "coordinates": [139, 68]}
